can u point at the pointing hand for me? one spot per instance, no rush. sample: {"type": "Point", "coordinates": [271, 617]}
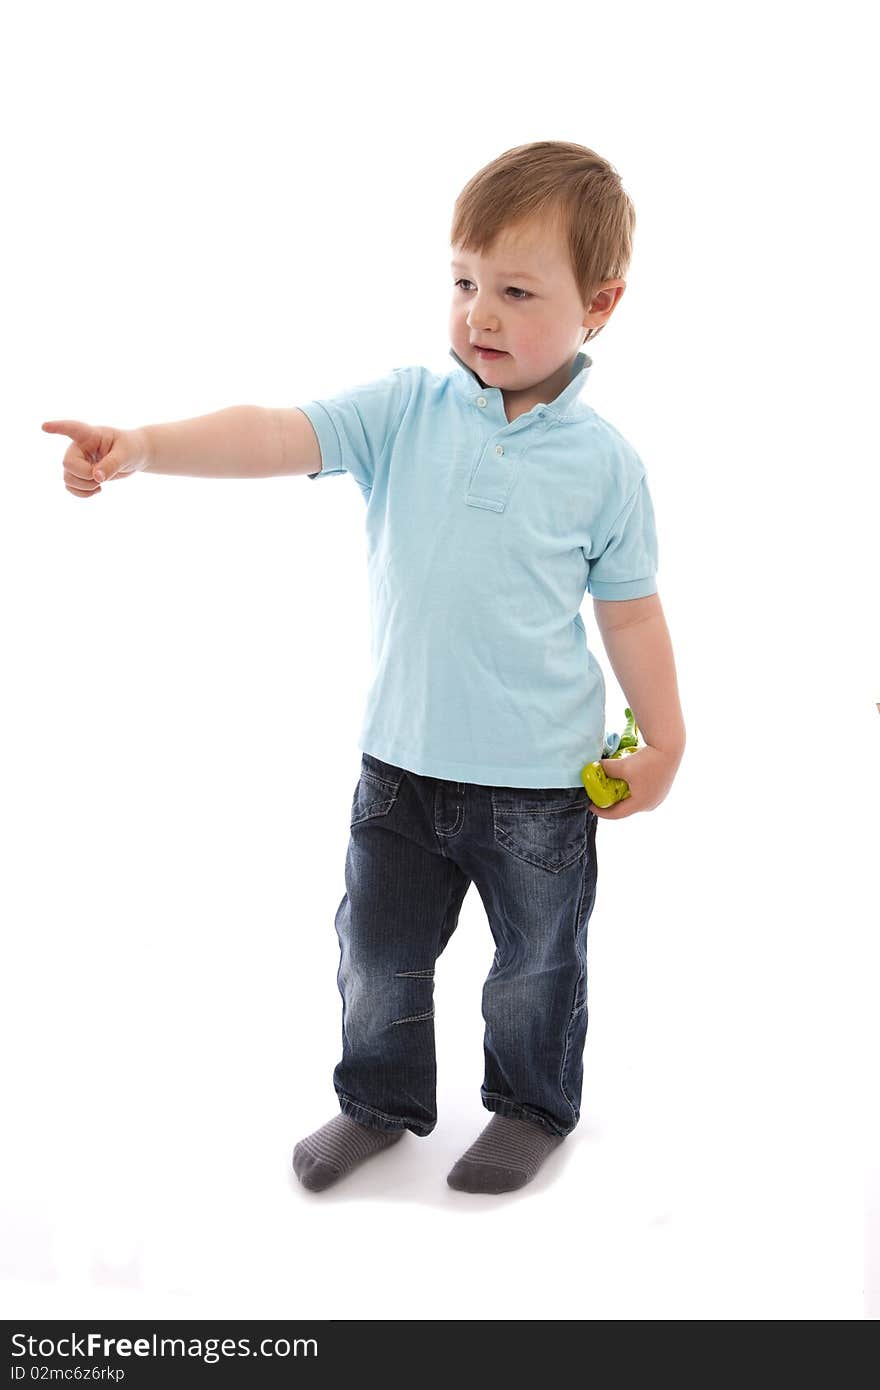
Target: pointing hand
{"type": "Point", "coordinates": [97, 454]}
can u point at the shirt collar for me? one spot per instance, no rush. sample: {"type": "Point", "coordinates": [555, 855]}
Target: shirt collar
{"type": "Point", "coordinates": [468, 383]}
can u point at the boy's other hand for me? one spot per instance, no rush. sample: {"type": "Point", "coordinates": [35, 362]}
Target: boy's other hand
{"type": "Point", "coordinates": [649, 772]}
{"type": "Point", "coordinates": [97, 454]}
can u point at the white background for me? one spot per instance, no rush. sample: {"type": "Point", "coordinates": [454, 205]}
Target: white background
{"type": "Point", "coordinates": [211, 205]}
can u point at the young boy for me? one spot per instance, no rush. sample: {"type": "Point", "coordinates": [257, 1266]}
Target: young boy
{"type": "Point", "coordinates": [494, 498]}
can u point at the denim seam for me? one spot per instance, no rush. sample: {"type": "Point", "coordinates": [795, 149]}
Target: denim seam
{"type": "Point", "coordinates": [395, 782]}
{"type": "Point", "coordinates": [382, 781]}
{"type": "Point", "coordinates": [375, 808]}
{"type": "Point", "coordinates": [574, 1011]}
{"type": "Point", "coordinates": [545, 808]}
{"type": "Point", "coordinates": [454, 829]}
{"type": "Point", "coordinates": [413, 1018]}
{"type": "Point", "coordinates": [506, 843]}
{"type": "Point", "coordinates": [372, 814]}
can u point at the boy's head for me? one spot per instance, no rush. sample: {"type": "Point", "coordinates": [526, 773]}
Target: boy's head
{"type": "Point", "coordinates": [541, 242]}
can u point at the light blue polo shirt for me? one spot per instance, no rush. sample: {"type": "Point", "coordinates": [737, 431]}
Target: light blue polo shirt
{"type": "Point", "coordinates": [482, 538]}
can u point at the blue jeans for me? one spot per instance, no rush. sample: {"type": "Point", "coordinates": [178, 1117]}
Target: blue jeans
{"type": "Point", "coordinates": [416, 844]}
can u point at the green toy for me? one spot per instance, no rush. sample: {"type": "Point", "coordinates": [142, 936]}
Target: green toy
{"type": "Point", "coordinates": [602, 789]}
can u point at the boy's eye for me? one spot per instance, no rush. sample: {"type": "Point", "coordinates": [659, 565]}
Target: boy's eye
{"type": "Point", "coordinates": [525, 293]}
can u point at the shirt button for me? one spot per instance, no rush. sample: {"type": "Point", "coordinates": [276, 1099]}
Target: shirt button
{"type": "Point", "coordinates": [481, 400]}
{"type": "Point", "coordinates": [499, 448]}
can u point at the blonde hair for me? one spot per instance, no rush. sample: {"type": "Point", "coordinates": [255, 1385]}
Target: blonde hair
{"type": "Point", "coordinates": [571, 187]}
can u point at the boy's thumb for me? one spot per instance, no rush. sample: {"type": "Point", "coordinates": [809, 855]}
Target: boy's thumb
{"type": "Point", "coordinates": [613, 767]}
{"type": "Point", "coordinates": [106, 468]}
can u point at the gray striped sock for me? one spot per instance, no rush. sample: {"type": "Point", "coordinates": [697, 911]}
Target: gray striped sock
{"type": "Point", "coordinates": [336, 1148]}
{"type": "Point", "coordinates": [506, 1155]}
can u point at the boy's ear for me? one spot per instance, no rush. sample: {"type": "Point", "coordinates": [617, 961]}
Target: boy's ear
{"type": "Point", "coordinates": [605, 301]}
{"type": "Point", "coordinates": [608, 296]}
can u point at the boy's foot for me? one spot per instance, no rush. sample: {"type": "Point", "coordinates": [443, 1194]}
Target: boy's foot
{"type": "Point", "coordinates": [506, 1155]}
{"type": "Point", "coordinates": [336, 1148]}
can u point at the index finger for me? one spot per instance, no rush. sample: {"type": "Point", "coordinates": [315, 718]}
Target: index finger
{"type": "Point", "coordinates": [74, 429]}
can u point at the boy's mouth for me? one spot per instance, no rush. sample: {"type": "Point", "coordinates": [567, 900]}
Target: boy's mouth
{"type": "Point", "coordinates": [489, 352]}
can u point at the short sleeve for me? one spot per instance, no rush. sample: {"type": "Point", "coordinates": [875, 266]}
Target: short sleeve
{"type": "Point", "coordinates": [626, 566]}
{"type": "Point", "coordinates": [357, 427]}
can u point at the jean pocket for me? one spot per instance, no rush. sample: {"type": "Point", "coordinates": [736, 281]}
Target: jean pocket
{"type": "Point", "coordinates": [545, 826]}
{"type": "Point", "coordinates": [377, 789]}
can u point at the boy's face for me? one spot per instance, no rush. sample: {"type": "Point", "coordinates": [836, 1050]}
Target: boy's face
{"type": "Point", "coordinates": [521, 296]}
